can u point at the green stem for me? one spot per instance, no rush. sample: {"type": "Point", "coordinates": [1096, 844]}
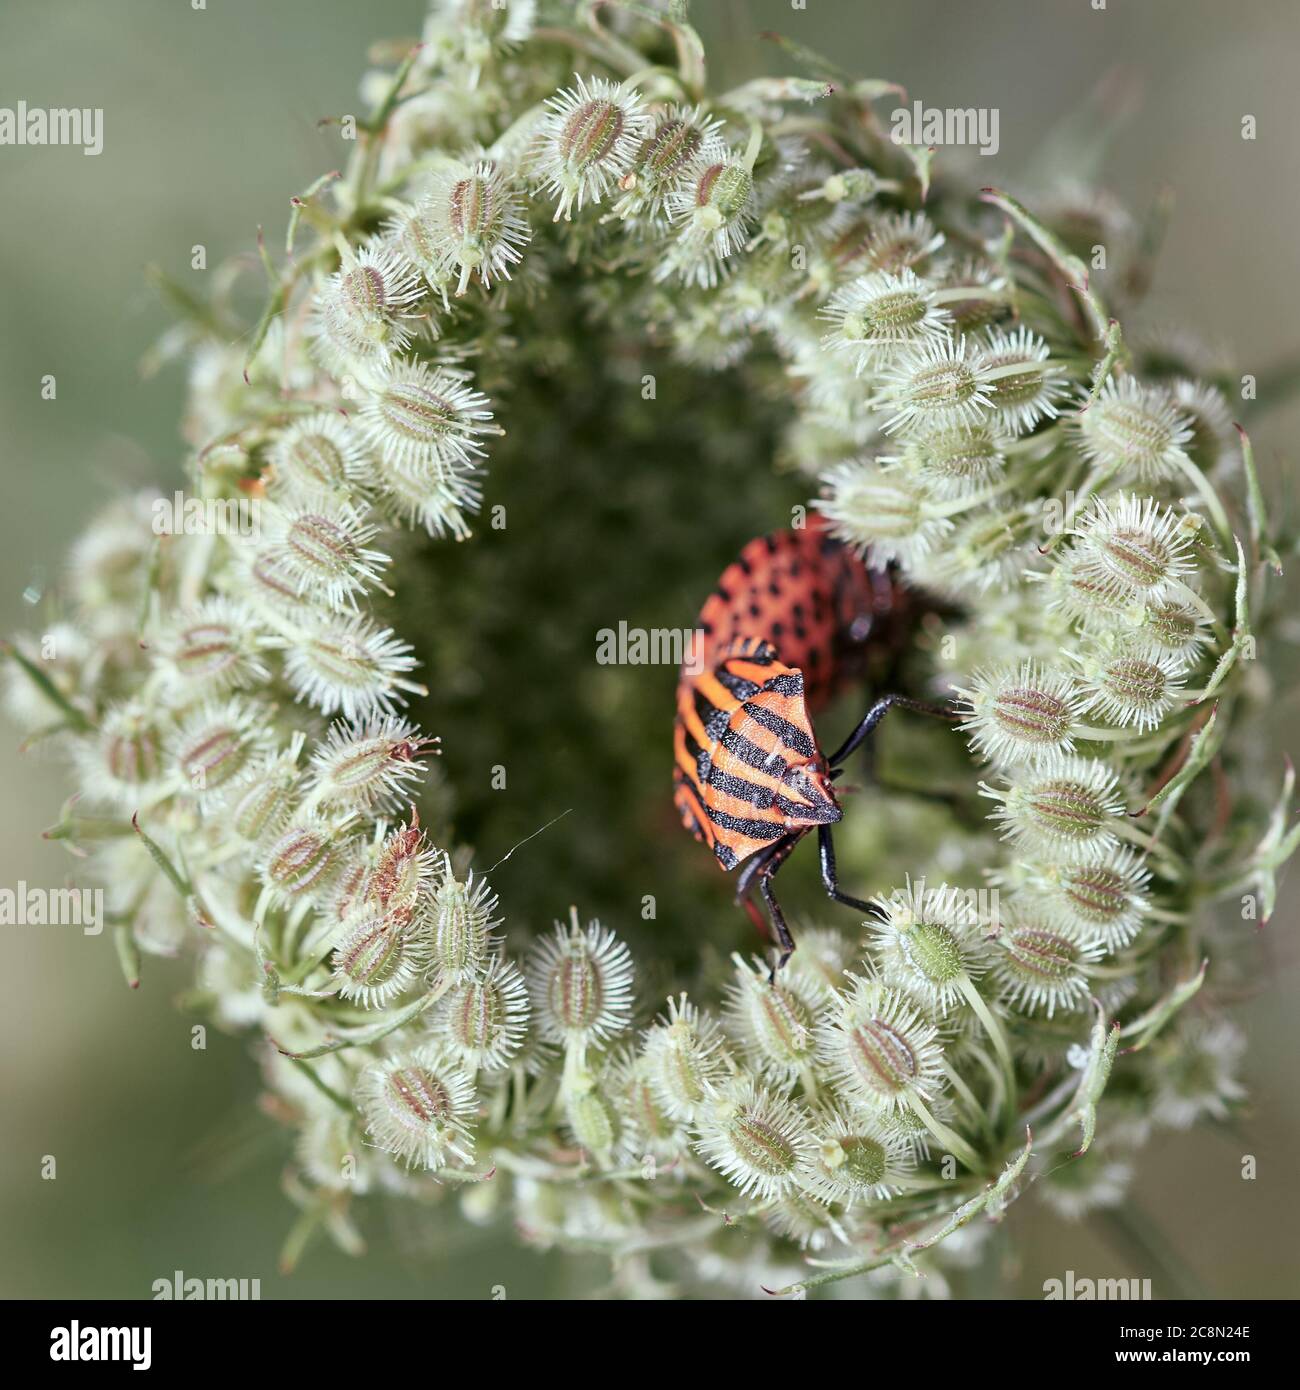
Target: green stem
{"type": "Point", "coordinates": [954, 1143]}
{"type": "Point", "coordinates": [997, 1037]}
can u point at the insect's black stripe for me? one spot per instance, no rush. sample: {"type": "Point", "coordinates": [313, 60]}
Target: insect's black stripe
{"type": "Point", "coordinates": [702, 759]}
{"type": "Point", "coordinates": [752, 755]}
{"type": "Point", "coordinates": [731, 785]}
{"type": "Point", "coordinates": [791, 735]}
{"type": "Point", "coordinates": [751, 829]}
{"type": "Point", "coordinates": [755, 650]}
{"type": "Point", "coordinates": [708, 773]}
{"type": "Point", "coordinates": [715, 720]}
{"type": "Point", "coordinates": [741, 688]}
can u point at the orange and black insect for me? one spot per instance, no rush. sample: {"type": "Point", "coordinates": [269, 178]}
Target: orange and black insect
{"type": "Point", "coordinates": [791, 620]}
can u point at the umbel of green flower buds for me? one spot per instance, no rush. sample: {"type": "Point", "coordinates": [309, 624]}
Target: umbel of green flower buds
{"type": "Point", "coordinates": [539, 200]}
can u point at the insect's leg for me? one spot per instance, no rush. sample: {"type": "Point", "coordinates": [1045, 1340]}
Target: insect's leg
{"type": "Point", "coordinates": [745, 882]}
{"type": "Point", "coordinates": [751, 868]}
{"type": "Point", "coordinates": [763, 867]}
{"type": "Point", "coordinates": [826, 851]}
{"type": "Point", "coordinates": [878, 711]}
{"type": "Point", "coordinates": [777, 916]}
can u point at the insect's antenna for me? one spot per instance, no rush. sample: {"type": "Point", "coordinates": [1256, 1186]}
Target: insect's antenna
{"type": "Point", "coordinates": [526, 839]}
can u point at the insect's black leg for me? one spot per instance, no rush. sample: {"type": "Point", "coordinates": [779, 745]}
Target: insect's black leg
{"type": "Point", "coordinates": [826, 850]}
{"type": "Point", "coordinates": [752, 867]}
{"type": "Point", "coordinates": [764, 867]}
{"type": "Point", "coordinates": [878, 711]}
{"type": "Point", "coordinates": [778, 917]}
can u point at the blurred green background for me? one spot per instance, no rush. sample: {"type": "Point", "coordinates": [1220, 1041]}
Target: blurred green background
{"type": "Point", "coordinates": [210, 125]}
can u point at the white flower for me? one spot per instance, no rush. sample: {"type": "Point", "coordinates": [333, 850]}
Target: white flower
{"type": "Point", "coordinates": [1135, 430]}
{"type": "Point", "coordinates": [218, 746]}
{"type": "Point", "coordinates": [1039, 966]}
{"type": "Point", "coordinates": [376, 960]}
{"type": "Point", "coordinates": [934, 383]}
{"type": "Point", "coordinates": [679, 135]}
{"type": "Point", "coordinates": [877, 314]}
{"type": "Point", "coordinates": [127, 760]}
{"type": "Point", "coordinates": [1023, 383]}
{"type": "Point", "coordinates": [957, 460]}
{"type": "Point", "coordinates": [1107, 901]}
{"type": "Point", "coordinates": [483, 1021]}
{"type": "Point", "coordinates": [879, 1049]}
{"type": "Point", "coordinates": [896, 241]}
{"type": "Point", "coordinates": [685, 1060]}
{"type": "Point", "coordinates": [1072, 808]}
{"type": "Point", "coordinates": [1130, 690]}
{"type": "Point", "coordinates": [712, 208]}
{"type": "Point", "coordinates": [419, 1106]}
{"type": "Point", "coordinates": [321, 453]}
{"type": "Point", "coordinates": [773, 1020]}
{"type": "Point", "coordinates": [1021, 715]}
{"type": "Point", "coordinates": [861, 1157]}
{"type": "Point", "coordinates": [1131, 546]}
{"type": "Point", "coordinates": [580, 979]}
{"type": "Point", "coordinates": [212, 648]}
{"type": "Point", "coordinates": [758, 1141]}
{"type": "Point", "coordinates": [884, 511]}
{"type": "Point", "coordinates": [348, 664]}
{"type": "Point", "coordinates": [302, 861]}
{"type": "Point", "coordinates": [587, 141]}
{"type": "Point", "coordinates": [463, 921]}
{"type": "Point", "coordinates": [928, 942]}
{"type": "Point", "coordinates": [424, 421]}
{"type": "Point", "coordinates": [363, 311]}
{"type": "Point", "coordinates": [324, 548]}
{"type": "Point", "coordinates": [470, 224]}
{"type": "Point", "coordinates": [369, 766]}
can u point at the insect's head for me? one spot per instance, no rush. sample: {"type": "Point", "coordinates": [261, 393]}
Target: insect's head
{"type": "Point", "coordinates": [809, 797]}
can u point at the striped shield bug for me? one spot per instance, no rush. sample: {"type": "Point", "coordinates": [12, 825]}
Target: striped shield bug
{"type": "Point", "coordinates": [790, 621]}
